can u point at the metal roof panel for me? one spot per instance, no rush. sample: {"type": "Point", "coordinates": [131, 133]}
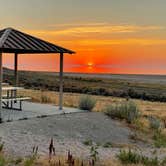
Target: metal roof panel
{"type": "Point", "coordinates": [12, 40]}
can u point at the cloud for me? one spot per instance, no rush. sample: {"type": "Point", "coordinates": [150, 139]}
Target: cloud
{"type": "Point", "coordinates": [130, 41]}
{"type": "Point", "coordinates": [90, 28]}
{"type": "Point", "coordinates": [69, 25]}
{"type": "Point", "coordinates": [90, 44]}
{"type": "Point", "coordinates": [105, 29]}
{"type": "Point", "coordinates": [98, 34]}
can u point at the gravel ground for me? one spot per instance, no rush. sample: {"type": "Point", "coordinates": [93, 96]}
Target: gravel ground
{"type": "Point", "coordinates": [69, 131]}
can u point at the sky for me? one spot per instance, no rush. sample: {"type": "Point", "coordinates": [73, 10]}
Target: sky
{"type": "Point", "coordinates": [109, 36]}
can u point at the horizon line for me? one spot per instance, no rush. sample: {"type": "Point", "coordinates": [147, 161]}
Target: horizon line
{"type": "Point", "coordinates": [101, 73]}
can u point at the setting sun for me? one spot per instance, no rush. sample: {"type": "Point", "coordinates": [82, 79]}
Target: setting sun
{"type": "Point", "coordinates": [82, 82]}
{"type": "Point", "coordinates": [105, 42]}
{"type": "Point", "coordinates": [90, 65]}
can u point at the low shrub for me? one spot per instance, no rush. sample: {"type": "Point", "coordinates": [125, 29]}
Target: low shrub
{"type": "Point", "coordinates": [131, 157]}
{"type": "Point", "coordinates": [126, 110]}
{"type": "Point", "coordinates": [159, 139]}
{"type": "Point", "coordinates": [163, 162]}
{"type": "Point", "coordinates": [1, 146]}
{"type": "Point", "coordinates": [107, 145]}
{"type": "Point", "coordinates": [88, 142]}
{"type": "Point", "coordinates": [141, 124]}
{"type": "Point", "coordinates": [154, 122]}
{"type": "Point", "coordinates": [86, 103]}
{"type": "Point", "coordinates": [30, 161]}
{"type": "Point", "coordinates": [94, 154]}
{"type": "Point", "coordinates": [3, 160]}
{"type": "Point", "coordinates": [18, 160]}
{"type": "Point", "coordinates": [151, 161]}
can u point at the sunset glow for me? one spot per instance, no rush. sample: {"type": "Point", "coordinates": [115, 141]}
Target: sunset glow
{"type": "Point", "coordinates": [108, 37]}
{"type": "Point", "coordinates": [90, 65]}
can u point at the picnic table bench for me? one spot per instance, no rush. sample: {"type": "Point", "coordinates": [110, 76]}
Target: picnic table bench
{"type": "Point", "coordinates": [10, 98]}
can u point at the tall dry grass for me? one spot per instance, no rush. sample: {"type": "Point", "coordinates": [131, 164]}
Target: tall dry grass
{"type": "Point", "coordinates": [72, 99]}
{"type": "Point", "coordinates": [55, 161]}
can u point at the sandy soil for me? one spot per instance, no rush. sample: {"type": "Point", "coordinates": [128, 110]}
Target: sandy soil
{"type": "Point", "coordinates": [69, 132]}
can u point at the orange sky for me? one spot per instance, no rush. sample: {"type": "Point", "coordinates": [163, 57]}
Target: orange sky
{"type": "Point", "coordinates": [97, 54]}
{"type": "Point", "coordinates": [108, 37]}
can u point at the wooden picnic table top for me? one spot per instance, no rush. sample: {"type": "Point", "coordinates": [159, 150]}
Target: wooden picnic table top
{"type": "Point", "coordinates": [11, 88]}
{"type": "Point", "coordinates": [16, 99]}
{"type": "Point", "coordinates": [5, 84]}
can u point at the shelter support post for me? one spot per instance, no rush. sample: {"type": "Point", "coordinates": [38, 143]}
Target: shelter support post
{"type": "Point", "coordinates": [1, 78]}
{"type": "Point", "coordinates": [61, 82]}
{"type": "Point", "coordinates": [16, 69]}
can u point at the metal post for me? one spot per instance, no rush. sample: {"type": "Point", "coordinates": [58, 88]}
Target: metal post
{"type": "Point", "coordinates": [61, 83]}
{"type": "Point", "coordinates": [16, 69]}
{"type": "Point", "coordinates": [1, 78]}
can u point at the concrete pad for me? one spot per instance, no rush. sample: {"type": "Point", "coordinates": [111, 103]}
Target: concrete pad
{"type": "Point", "coordinates": [32, 110]}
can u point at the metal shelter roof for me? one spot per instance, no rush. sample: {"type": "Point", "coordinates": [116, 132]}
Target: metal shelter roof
{"type": "Point", "coordinates": [14, 41]}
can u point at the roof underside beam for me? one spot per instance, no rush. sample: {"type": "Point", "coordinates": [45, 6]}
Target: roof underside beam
{"type": "Point", "coordinates": [30, 51]}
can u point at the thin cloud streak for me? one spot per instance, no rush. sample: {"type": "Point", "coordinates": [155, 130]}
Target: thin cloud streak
{"type": "Point", "coordinates": [125, 42]}
{"type": "Point", "coordinates": [85, 32]}
{"type": "Point", "coordinates": [129, 41]}
{"type": "Point", "coordinates": [79, 29]}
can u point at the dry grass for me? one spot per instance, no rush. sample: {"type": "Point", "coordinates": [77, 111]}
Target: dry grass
{"type": "Point", "coordinates": [71, 100]}
{"type": "Point", "coordinates": [157, 109]}
{"type": "Point", "coordinates": [55, 161]}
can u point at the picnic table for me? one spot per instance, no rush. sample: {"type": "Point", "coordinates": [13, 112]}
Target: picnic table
{"type": "Point", "coordinates": [5, 84]}
{"type": "Point", "coordinates": [10, 99]}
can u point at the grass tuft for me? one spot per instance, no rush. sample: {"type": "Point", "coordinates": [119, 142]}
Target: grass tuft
{"type": "Point", "coordinates": [86, 103]}
{"type": "Point", "coordinates": [45, 99]}
{"type": "Point", "coordinates": [107, 145]}
{"type": "Point", "coordinates": [131, 157]}
{"type": "Point", "coordinates": [128, 157]}
{"type": "Point", "coordinates": [155, 123]}
{"type": "Point", "coordinates": [88, 142]}
{"type": "Point", "coordinates": [30, 161]}
{"type": "Point", "coordinates": [159, 139]}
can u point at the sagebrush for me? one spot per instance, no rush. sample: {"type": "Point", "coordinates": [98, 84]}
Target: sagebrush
{"type": "Point", "coordinates": [126, 110]}
{"type": "Point", "coordinates": [86, 103]}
